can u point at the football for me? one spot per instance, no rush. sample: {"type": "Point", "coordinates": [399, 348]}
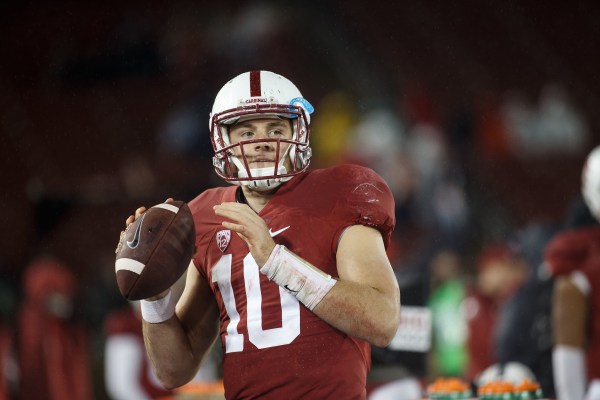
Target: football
{"type": "Point", "coordinates": [155, 250]}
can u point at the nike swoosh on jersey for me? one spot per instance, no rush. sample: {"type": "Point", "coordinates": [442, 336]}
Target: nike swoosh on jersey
{"type": "Point", "coordinates": [136, 236]}
{"type": "Point", "coordinates": [273, 234]}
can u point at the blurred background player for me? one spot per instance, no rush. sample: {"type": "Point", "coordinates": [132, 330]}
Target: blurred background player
{"type": "Point", "coordinates": [523, 333]}
{"type": "Point", "coordinates": [500, 272]}
{"type": "Point", "coordinates": [291, 267]}
{"type": "Point", "coordinates": [574, 260]}
{"type": "Point", "coordinates": [127, 370]}
{"type": "Point", "coordinates": [8, 367]}
{"type": "Point", "coordinates": [53, 343]}
{"type": "Point", "coordinates": [128, 374]}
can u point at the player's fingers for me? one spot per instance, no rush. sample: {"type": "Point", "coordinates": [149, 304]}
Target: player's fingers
{"type": "Point", "coordinates": [227, 211]}
{"type": "Point", "coordinates": [238, 228]}
{"type": "Point", "coordinates": [253, 233]}
{"type": "Point", "coordinates": [230, 204]}
{"type": "Point", "coordinates": [129, 220]}
{"type": "Point", "coordinates": [120, 242]}
{"type": "Point", "coordinates": [231, 207]}
{"type": "Point", "coordinates": [169, 200]}
{"type": "Point", "coordinates": [236, 207]}
{"type": "Point", "coordinates": [139, 212]}
{"type": "Point", "coordinates": [237, 212]}
{"type": "Point", "coordinates": [246, 232]}
{"type": "Point", "coordinates": [136, 215]}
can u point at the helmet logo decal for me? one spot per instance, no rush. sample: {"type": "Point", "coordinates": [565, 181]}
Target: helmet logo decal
{"type": "Point", "coordinates": [301, 135]}
{"type": "Point", "coordinates": [255, 88]}
{"type": "Point", "coordinates": [256, 100]}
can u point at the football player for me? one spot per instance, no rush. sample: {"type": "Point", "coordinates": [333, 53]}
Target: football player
{"type": "Point", "coordinates": [290, 270]}
{"type": "Point", "coordinates": [574, 260]}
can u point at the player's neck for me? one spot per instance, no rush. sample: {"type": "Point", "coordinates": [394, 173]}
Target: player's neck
{"type": "Point", "coordinates": [255, 199]}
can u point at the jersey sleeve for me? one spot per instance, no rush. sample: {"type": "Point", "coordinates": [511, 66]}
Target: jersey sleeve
{"type": "Point", "coordinates": [568, 250]}
{"type": "Point", "coordinates": [365, 199]}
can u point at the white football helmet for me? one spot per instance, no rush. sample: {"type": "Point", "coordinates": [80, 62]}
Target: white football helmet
{"type": "Point", "coordinates": [590, 182]}
{"type": "Point", "coordinates": [259, 94]}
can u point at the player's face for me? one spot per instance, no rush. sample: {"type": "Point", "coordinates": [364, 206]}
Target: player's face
{"type": "Point", "coordinates": [262, 154]}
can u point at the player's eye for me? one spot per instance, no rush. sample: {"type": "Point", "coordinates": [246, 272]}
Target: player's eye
{"type": "Point", "coordinates": [276, 132]}
{"type": "Point", "coordinates": [246, 134]}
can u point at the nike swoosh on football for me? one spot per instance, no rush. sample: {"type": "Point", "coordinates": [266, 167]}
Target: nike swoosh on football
{"type": "Point", "coordinates": [273, 234]}
{"type": "Point", "coordinates": [136, 236]}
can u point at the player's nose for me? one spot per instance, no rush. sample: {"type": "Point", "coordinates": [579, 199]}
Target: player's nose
{"type": "Point", "coordinates": [265, 144]}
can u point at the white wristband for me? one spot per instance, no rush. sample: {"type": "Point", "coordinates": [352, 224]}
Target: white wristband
{"type": "Point", "coordinates": [307, 283]}
{"type": "Point", "coordinates": [158, 311]}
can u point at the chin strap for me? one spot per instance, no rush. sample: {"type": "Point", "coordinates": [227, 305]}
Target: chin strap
{"type": "Point", "coordinates": [263, 184]}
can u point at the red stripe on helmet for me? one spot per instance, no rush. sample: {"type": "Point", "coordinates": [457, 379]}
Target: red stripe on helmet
{"type": "Point", "coordinates": [255, 84]}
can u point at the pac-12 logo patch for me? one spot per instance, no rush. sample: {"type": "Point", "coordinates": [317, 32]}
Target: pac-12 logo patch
{"type": "Point", "coordinates": [223, 238]}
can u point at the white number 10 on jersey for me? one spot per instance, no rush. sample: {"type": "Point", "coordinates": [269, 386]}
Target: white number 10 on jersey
{"type": "Point", "coordinates": [261, 338]}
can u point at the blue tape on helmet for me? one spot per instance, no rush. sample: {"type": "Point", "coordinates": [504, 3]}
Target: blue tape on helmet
{"type": "Point", "coordinates": [301, 101]}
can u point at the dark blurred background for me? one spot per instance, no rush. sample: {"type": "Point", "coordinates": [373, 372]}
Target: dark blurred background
{"type": "Point", "coordinates": [88, 92]}
{"type": "Point", "coordinates": [482, 111]}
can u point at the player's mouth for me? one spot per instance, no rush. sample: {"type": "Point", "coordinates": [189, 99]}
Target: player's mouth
{"type": "Point", "coordinates": [261, 163]}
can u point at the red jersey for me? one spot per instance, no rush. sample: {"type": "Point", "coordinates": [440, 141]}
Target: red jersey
{"type": "Point", "coordinates": [579, 250]}
{"type": "Point", "coordinates": [273, 346]}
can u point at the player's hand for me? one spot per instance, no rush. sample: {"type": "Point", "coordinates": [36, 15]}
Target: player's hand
{"type": "Point", "coordinates": [138, 212]}
{"type": "Point", "coordinates": [129, 221]}
{"type": "Point", "coordinates": [250, 227]}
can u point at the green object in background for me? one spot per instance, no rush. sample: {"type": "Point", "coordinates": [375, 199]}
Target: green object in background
{"type": "Point", "coordinates": [449, 328]}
